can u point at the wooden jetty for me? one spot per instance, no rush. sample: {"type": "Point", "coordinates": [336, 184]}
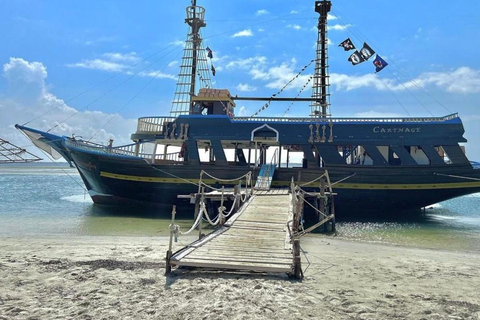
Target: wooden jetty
{"type": "Point", "coordinates": [263, 235]}
{"type": "Point", "coordinates": [255, 238]}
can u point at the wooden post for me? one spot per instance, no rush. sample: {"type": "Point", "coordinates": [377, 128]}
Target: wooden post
{"type": "Point", "coordinates": [236, 196]}
{"type": "Point", "coordinates": [168, 267]}
{"type": "Point", "coordinates": [322, 206]}
{"type": "Point", "coordinates": [297, 261]}
{"type": "Point", "coordinates": [220, 209]}
{"type": "Point", "coordinates": [200, 223]}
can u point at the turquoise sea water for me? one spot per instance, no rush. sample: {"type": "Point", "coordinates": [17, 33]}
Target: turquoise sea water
{"type": "Point", "coordinates": [50, 199]}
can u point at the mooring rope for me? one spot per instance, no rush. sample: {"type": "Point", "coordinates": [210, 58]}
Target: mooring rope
{"type": "Point", "coordinates": [344, 179]}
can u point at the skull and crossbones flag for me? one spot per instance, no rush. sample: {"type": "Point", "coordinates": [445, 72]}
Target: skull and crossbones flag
{"type": "Point", "coordinates": [347, 45]}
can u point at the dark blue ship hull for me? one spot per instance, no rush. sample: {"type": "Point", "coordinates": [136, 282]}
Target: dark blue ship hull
{"type": "Point", "coordinates": [368, 191]}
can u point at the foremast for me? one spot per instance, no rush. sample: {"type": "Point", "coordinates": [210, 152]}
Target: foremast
{"type": "Point", "coordinates": [194, 71]}
{"type": "Point", "coordinates": [321, 84]}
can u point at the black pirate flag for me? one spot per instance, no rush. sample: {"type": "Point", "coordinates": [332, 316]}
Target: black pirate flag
{"type": "Point", "coordinates": [366, 51]}
{"type": "Point", "coordinates": [356, 58]}
{"type": "Point", "coordinates": [347, 45]}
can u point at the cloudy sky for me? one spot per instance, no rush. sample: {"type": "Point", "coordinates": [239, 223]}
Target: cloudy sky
{"type": "Point", "coordinates": [93, 67]}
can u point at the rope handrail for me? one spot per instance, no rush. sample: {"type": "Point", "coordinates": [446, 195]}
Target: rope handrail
{"type": "Point", "coordinates": [225, 180]}
{"type": "Point", "coordinates": [315, 180]}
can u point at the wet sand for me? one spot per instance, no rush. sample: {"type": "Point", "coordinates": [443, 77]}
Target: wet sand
{"type": "Point", "coordinates": [123, 278]}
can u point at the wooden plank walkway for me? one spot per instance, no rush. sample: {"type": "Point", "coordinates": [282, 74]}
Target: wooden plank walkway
{"type": "Point", "coordinates": [255, 239]}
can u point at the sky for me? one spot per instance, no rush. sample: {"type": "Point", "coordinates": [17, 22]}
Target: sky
{"type": "Point", "coordinates": [92, 68]}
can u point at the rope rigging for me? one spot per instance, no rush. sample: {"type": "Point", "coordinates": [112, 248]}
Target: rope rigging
{"type": "Point", "coordinates": [267, 104]}
{"type": "Point", "coordinates": [298, 94]}
{"type": "Point", "coordinates": [102, 82]}
{"type": "Point", "coordinates": [117, 86]}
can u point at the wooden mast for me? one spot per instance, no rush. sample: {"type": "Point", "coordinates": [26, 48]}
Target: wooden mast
{"type": "Point", "coordinates": [321, 83]}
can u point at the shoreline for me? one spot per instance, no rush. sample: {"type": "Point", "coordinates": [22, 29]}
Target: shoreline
{"type": "Point", "coordinates": [111, 277]}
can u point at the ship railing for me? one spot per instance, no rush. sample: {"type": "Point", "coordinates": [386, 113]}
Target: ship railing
{"type": "Point", "coordinates": [152, 124]}
{"type": "Point", "coordinates": [347, 120]}
{"type": "Point", "coordinates": [128, 150]}
{"type": "Point", "coordinates": [125, 150]}
{"type": "Point", "coordinates": [174, 156]}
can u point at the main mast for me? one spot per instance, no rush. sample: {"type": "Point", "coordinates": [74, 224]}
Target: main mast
{"type": "Point", "coordinates": [321, 77]}
{"type": "Point", "coordinates": [194, 65]}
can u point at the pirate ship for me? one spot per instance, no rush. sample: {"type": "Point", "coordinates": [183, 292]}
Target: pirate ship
{"type": "Point", "coordinates": [376, 165]}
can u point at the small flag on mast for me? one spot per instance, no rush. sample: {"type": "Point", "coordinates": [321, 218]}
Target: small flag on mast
{"type": "Point", "coordinates": [209, 52]}
{"type": "Point", "coordinates": [379, 63]}
{"type": "Point", "coordinates": [347, 45]}
{"type": "Point", "coordinates": [213, 70]}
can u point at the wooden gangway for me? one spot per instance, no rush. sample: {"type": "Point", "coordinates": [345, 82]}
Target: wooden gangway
{"type": "Point", "coordinates": [256, 238]}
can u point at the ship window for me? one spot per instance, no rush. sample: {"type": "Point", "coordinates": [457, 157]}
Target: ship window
{"type": "Point", "coordinates": [205, 151]}
{"type": "Point", "coordinates": [443, 155]}
{"type": "Point", "coordinates": [294, 156]}
{"type": "Point", "coordinates": [419, 156]}
{"type": "Point", "coordinates": [350, 154]}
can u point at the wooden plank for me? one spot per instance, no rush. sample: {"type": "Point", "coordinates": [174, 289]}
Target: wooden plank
{"type": "Point", "coordinates": [254, 260]}
{"type": "Point", "coordinates": [216, 260]}
{"type": "Point", "coordinates": [232, 266]}
{"type": "Point", "coordinates": [257, 256]}
{"type": "Point", "coordinates": [264, 250]}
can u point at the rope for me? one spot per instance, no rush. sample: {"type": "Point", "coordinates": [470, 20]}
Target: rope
{"type": "Point", "coordinates": [128, 102]}
{"type": "Point", "coordinates": [281, 90]}
{"type": "Point", "coordinates": [195, 224]}
{"type": "Point", "coordinates": [49, 156]}
{"type": "Point", "coordinates": [302, 185]}
{"type": "Point", "coordinates": [320, 212]}
{"type": "Point", "coordinates": [452, 176]}
{"type": "Point", "coordinates": [226, 180]}
{"type": "Point", "coordinates": [112, 89]}
{"type": "Point", "coordinates": [101, 82]}
{"type": "Point", "coordinates": [344, 179]}
{"type": "Point", "coordinates": [299, 93]}
{"type": "Point", "coordinates": [175, 176]}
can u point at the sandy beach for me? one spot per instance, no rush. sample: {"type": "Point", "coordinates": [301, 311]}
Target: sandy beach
{"type": "Point", "coordinates": [123, 278]}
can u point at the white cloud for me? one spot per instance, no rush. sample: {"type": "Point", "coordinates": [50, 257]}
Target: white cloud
{"type": "Point", "coordinates": [173, 64]}
{"type": "Point", "coordinates": [243, 33]}
{"type": "Point", "coordinates": [157, 74]}
{"type": "Point", "coordinates": [331, 17]}
{"type": "Point", "coordinates": [45, 110]}
{"type": "Point", "coordinates": [418, 34]}
{"type": "Point", "coordinates": [246, 64]}
{"type": "Point", "coordinates": [339, 27]}
{"type": "Point", "coordinates": [99, 64]}
{"type": "Point", "coordinates": [294, 26]}
{"type": "Point", "coordinates": [293, 12]}
{"type": "Point", "coordinates": [243, 112]}
{"type": "Point", "coordinates": [100, 40]}
{"type": "Point", "coordinates": [116, 56]}
{"type": "Point", "coordinates": [261, 12]}
{"type": "Point", "coordinates": [462, 80]}
{"type": "Point", "coordinates": [278, 76]}
{"type": "Point", "coordinates": [245, 87]}
{"type": "Point", "coordinates": [25, 80]}
{"type": "Point", "coordinates": [121, 62]}
{"type": "Point", "coordinates": [178, 43]}
{"type": "Point", "coordinates": [346, 82]}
